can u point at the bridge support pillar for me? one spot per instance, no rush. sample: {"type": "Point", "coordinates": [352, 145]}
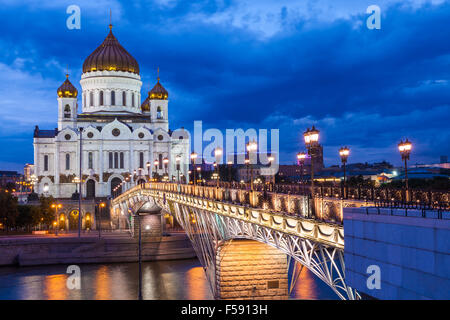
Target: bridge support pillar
{"type": "Point", "coordinates": [247, 269]}
{"type": "Point", "coordinates": [151, 225]}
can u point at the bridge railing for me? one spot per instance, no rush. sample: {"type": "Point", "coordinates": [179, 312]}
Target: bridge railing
{"type": "Point", "coordinates": [326, 208]}
{"type": "Point", "coordinates": [284, 199]}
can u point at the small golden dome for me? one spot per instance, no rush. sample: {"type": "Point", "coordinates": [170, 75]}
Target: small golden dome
{"type": "Point", "coordinates": [67, 90]}
{"type": "Point", "coordinates": [158, 92]}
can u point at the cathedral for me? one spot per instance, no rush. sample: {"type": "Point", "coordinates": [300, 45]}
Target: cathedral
{"type": "Point", "coordinates": [119, 139]}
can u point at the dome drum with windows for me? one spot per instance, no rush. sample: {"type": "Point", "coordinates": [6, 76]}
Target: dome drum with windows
{"type": "Point", "coordinates": [67, 90]}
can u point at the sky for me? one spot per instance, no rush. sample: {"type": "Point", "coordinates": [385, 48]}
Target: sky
{"type": "Point", "coordinates": [262, 64]}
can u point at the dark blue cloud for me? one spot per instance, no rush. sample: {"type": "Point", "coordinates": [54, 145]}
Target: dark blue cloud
{"type": "Point", "coordinates": [363, 88]}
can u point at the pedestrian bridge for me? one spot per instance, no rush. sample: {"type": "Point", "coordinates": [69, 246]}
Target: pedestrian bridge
{"type": "Point", "coordinates": [215, 219]}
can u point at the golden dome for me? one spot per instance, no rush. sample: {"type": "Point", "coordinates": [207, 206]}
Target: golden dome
{"type": "Point", "coordinates": [158, 92]}
{"type": "Point", "coordinates": [110, 55]}
{"type": "Point", "coordinates": [67, 90]}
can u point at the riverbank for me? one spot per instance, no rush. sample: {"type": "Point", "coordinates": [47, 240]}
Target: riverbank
{"type": "Point", "coordinates": [69, 249]}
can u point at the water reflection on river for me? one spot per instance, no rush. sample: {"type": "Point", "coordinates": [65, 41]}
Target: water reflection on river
{"type": "Point", "coordinates": [181, 279]}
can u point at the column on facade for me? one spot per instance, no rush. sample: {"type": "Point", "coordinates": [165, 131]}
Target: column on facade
{"type": "Point", "coordinates": [131, 161]}
{"type": "Point", "coordinates": [99, 167]}
{"type": "Point", "coordinates": [151, 160]}
{"type": "Point", "coordinates": [128, 98]}
{"type": "Point", "coordinates": [107, 97]}
{"type": "Point", "coordinates": [56, 169]}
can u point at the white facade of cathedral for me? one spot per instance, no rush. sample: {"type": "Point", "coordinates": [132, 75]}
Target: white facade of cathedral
{"type": "Point", "coordinates": [119, 134]}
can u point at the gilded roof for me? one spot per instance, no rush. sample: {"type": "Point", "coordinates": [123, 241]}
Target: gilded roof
{"type": "Point", "coordinates": [67, 90]}
{"type": "Point", "coordinates": [110, 55]}
{"type": "Point", "coordinates": [158, 92]}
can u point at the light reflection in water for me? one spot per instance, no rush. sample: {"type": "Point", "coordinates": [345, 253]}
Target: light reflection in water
{"type": "Point", "coordinates": [181, 279]}
{"type": "Point", "coordinates": [310, 287]}
{"type": "Point", "coordinates": [197, 284]}
{"type": "Point", "coordinates": [102, 289]}
{"type": "Point", "coordinates": [55, 287]}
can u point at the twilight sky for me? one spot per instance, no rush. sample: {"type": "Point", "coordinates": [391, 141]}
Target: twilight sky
{"type": "Point", "coordinates": [263, 64]}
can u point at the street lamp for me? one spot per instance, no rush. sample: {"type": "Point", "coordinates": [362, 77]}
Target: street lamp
{"type": "Point", "coordinates": [230, 163]}
{"type": "Point", "coordinates": [56, 206]}
{"type": "Point", "coordinates": [166, 163]}
{"type": "Point", "coordinates": [311, 137]}
{"type": "Point", "coordinates": [148, 164]}
{"type": "Point", "coordinates": [156, 163]}
{"type": "Point", "coordinates": [247, 162]}
{"type": "Point", "coordinates": [178, 159]}
{"type": "Point", "coordinates": [252, 146]}
{"type": "Point", "coordinates": [101, 206]}
{"type": "Point", "coordinates": [218, 155]}
{"type": "Point", "coordinates": [301, 156]}
{"type": "Point", "coordinates": [405, 150]}
{"type": "Point", "coordinates": [344, 152]}
{"type": "Point", "coordinates": [199, 169]}
{"type": "Point", "coordinates": [193, 158]}
{"type": "Point", "coordinates": [271, 159]}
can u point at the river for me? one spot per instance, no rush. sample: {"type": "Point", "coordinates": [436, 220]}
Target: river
{"type": "Point", "coordinates": [179, 279]}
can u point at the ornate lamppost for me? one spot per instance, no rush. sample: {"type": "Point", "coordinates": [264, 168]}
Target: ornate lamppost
{"type": "Point", "coordinates": [405, 150]}
{"type": "Point", "coordinates": [193, 158]}
{"type": "Point", "coordinates": [344, 152]}
{"type": "Point", "coordinates": [148, 170]}
{"type": "Point", "coordinates": [252, 146]}
{"type": "Point", "coordinates": [312, 142]}
{"type": "Point", "coordinates": [178, 160]}
{"type": "Point", "coordinates": [166, 166]}
{"type": "Point", "coordinates": [271, 159]}
{"type": "Point", "coordinates": [101, 206]}
{"type": "Point", "coordinates": [229, 163]}
{"type": "Point", "coordinates": [301, 156]}
{"type": "Point", "coordinates": [218, 155]}
{"type": "Point", "coordinates": [247, 162]}
{"type": "Point", "coordinates": [156, 163]}
{"type": "Point", "coordinates": [56, 206]}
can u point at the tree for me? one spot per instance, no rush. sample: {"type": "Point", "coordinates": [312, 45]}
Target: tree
{"type": "Point", "coordinates": [46, 214]}
{"type": "Point", "coordinates": [25, 217]}
{"type": "Point", "coordinates": [8, 210]}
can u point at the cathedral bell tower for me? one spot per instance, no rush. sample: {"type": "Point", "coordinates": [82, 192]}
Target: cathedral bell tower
{"type": "Point", "coordinates": [67, 105]}
{"type": "Point", "coordinates": [159, 105]}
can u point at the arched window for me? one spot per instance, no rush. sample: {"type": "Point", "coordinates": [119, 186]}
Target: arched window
{"type": "Point", "coordinates": [132, 99]}
{"type": "Point", "coordinates": [46, 163]}
{"type": "Point", "coordinates": [67, 161]}
{"type": "Point", "coordinates": [90, 161]}
{"type": "Point", "coordinates": [111, 160]}
{"type": "Point", "coordinates": [124, 98]}
{"type": "Point", "coordinates": [91, 99]}
{"type": "Point", "coordinates": [67, 111]}
{"type": "Point", "coordinates": [101, 98]}
{"type": "Point", "coordinates": [160, 160]}
{"type": "Point", "coordinates": [113, 98]}
{"type": "Point", "coordinates": [159, 113]}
